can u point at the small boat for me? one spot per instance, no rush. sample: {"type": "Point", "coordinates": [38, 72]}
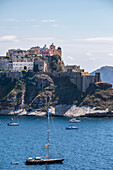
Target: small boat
{"type": "Point", "coordinates": [74, 120]}
{"type": "Point", "coordinates": [13, 123]}
{"type": "Point", "coordinates": [13, 120]}
{"type": "Point", "coordinates": [15, 163]}
{"type": "Point", "coordinates": [71, 127]}
{"type": "Point", "coordinates": [47, 159]}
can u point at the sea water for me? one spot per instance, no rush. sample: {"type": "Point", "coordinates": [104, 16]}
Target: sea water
{"type": "Point", "coordinates": [90, 147]}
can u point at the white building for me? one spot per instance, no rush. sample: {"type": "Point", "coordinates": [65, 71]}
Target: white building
{"type": "Point", "coordinates": [16, 65]}
{"type": "Point", "coordinates": [19, 66]}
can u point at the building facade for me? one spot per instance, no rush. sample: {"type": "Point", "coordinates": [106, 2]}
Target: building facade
{"type": "Point", "coordinates": [80, 78]}
{"type": "Point", "coordinates": [16, 65]}
{"type": "Point", "coordinates": [34, 52]}
{"type": "Point", "coordinates": [22, 65]}
{"type": "Point", "coordinates": [16, 53]}
{"type": "Point", "coordinates": [42, 65]}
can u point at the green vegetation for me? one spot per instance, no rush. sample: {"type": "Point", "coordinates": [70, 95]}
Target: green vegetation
{"type": "Point", "coordinates": [6, 85]}
{"type": "Point", "coordinates": [8, 57]}
{"type": "Point", "coordinates": [56, 64]}
{"type": "Point", "coordinates": [100, 96]}
{"type": "Point", "coordinates": [41, 90]}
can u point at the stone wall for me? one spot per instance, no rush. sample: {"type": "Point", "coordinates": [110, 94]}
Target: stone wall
{"type": "Point", "coordinates": [81, 81]}
{"type": "Point", "coordinates": [12, 74]}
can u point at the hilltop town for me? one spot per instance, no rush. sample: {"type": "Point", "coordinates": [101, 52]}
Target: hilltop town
{"type": "Point", "coordinates": [38, 78]}
{"type": "Point", "coordinates": [46, 60]}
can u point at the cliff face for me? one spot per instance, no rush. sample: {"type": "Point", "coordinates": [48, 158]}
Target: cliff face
{"type": "Point", "coordinates": [99, 95]}
{"type": "Point", "coordinates": [41, 90]}
{"type": "Point", "coordinates": [10, 93]}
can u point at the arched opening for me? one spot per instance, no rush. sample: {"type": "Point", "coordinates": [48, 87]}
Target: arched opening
{"type": "Point", "coordinates": [25, 67]}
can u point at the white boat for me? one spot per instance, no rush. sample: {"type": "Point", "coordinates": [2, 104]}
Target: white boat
{"type": "Point", "coordinates": [15, 163]}
{"type": "Point", "coordinates": [74, 120]}
{"type": "Point", "coordinates": [71, 127]}
{"type": "Point", "coordinates": [47, 159]}
{"type": "Point", "coordinates": [13, 123]}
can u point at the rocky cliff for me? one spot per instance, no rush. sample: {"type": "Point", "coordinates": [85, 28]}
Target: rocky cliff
{"type": "Point", "coordinates": [38, 91]}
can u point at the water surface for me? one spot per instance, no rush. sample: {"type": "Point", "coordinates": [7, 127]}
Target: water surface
{"type": "Point", "coordinates": [88, 148]}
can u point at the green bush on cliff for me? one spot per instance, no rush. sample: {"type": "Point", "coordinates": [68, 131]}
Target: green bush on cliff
{"type": "Point", "coordinates": [55, 63]}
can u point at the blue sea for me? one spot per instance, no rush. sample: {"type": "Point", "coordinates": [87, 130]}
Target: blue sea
{"type": "Point", "coordinates": [88, 148]}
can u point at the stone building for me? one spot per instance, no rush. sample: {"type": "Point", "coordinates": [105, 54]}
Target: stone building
{"type": "Point", "coordinates": [34, 52]}
{"type": "Point", "coordinates": [73, 68]}
{"type": "Point", "coordinates": [80, 78]}
{"type": "Point", "coordinates": [55, 51]}
{"type": "Point", "coordinates": [16, 53]}
{"type": "Point", "coordinates": [42, 65]}
{"type": "Point", "coordinates": [5, 65]}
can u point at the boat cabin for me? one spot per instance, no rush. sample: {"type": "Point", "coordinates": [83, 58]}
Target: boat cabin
{"type": "Point", "coordinates": [30, 158]}
{"type": "Point", "coordinates": [37, 158]}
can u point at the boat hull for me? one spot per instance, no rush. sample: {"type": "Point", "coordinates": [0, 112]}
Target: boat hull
{"type": "Point", "coordinates": [43, 161]}
{"type": "Point", "coordinates": [13, 124]}
{"type": "Point", "coordinates": [69, 128]}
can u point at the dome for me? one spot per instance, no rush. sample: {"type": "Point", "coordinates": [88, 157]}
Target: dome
{"type": "Point", "coordinates": [52, 44]}
{"type": "Point", "coordinates": [59, 48]}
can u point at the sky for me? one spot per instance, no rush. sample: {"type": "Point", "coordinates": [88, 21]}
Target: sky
{"type": "Point", "coordinates": [82, 28]}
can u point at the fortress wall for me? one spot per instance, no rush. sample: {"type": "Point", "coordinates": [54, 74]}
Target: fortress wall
{"type": "Point", "coordinates": [11, 74]}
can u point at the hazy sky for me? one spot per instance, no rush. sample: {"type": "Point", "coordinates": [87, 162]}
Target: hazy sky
{"type": "Point", "coordinates": [82, 28]}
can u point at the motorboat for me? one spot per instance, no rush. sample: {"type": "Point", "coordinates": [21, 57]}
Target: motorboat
{"type": "Point", "coordinates": [71, 127]}
{"type": "Point", "coordinates": [13, 123]}
{"type": "Point", "coordinates": [74, 120]}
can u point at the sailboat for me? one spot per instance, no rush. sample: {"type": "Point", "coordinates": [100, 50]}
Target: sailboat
{"type": "Point", "coordinates": [71, 127]}
{"type": "Point", "coordinates": [13, 122]}
{"type": "Point", "coordinates": [47, 160]}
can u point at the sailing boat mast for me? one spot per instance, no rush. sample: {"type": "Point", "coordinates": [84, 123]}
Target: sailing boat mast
{"type": "Point", "coordinates": [39, 160]}
{"type": "Point", "coordinates": [48, 136]}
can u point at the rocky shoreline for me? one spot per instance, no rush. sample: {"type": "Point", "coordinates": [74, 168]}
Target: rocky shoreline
{"type": "Point", "coordinates": [62, 111]}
